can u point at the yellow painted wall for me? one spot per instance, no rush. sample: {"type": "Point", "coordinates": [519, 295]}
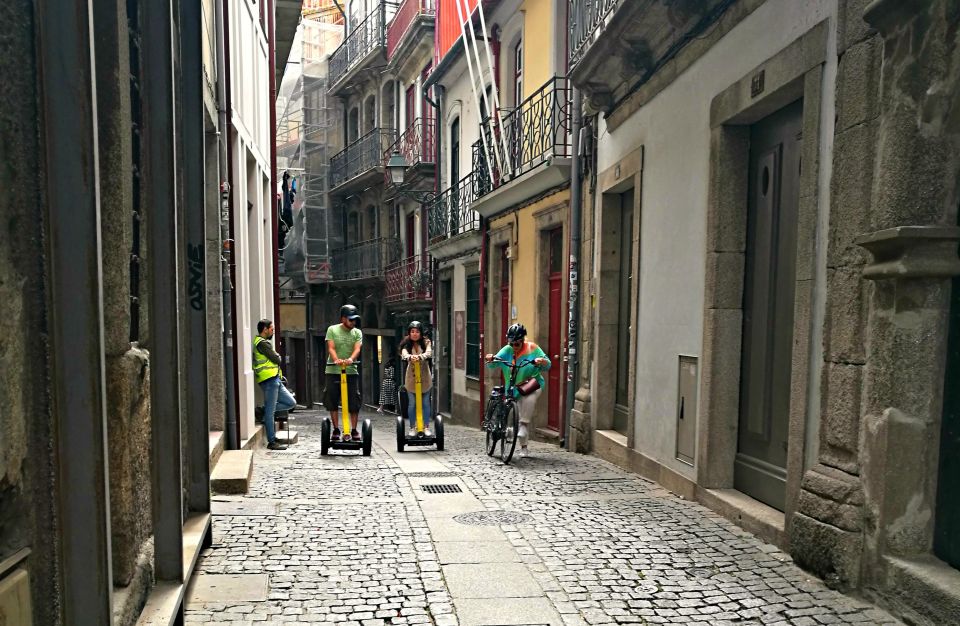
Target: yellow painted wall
{"type": "Point", "coordinates": [538, 42]}
{"type": "Point", "coordinates": [526, 280]}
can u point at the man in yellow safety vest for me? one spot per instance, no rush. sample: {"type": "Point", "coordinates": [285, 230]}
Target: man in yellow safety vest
{"type": "Point", "coordinates": [266, 371]}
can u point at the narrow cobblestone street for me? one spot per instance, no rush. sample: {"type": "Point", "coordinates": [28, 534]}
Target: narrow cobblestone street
{"type": "Point", "coordinates": [555, 538]}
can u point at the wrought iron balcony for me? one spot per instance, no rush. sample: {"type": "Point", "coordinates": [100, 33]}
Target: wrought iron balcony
{"type": "Point", "coordinates": [416, 145]}
{"type": "Point", "coordinates": [360, 157]}
{"type": "Point", "coordinates": [367, 260]}
{"type": "Point", "coordinates": [615, 46]}
{"type": "Point", "coordinates": [587, 20]}
{"type": "Point", "coordinates": [534, 134]}
{"type": "Point", "coordinates": [409, 280]}
{"type": "Point", "coordinates": [366, 37]}
{"type": "Point", "coordinates": [409, 12]}
{"type": "Point", "coordinates": [450, 213]}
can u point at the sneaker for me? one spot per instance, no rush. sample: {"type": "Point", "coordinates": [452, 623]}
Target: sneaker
{"type": "Point", "coordinates": [275, 445]}
{"type": "Point", "coordinates": [426, 431]}
{"type": "Point", "coordinates": [411, 432]}
{"type": "Point", "coordinates": [523, 452]}
{"type": "Point", "coordinates": [354, 434]}
{"type": "Point", "coordinates": [335, 435]}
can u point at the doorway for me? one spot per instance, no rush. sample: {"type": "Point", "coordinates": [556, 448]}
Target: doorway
{"type": "Point", "coordinates": [768, 306]}
{"type": "Point", "coordinates": [446, 341]}
{"type": "Point", "coordinates": [555, 333]}
{"type": "Point", "coordinates": [621, 404]}
{"type": "Point", "coordinates": [946, 538]}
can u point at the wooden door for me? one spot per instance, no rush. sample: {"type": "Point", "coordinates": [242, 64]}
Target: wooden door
{"type": "Point", "coordinates": [946, 540]}
{"type": "Point", "coordinates": [768, 302]}
{"type": "Point", "coordinates": [555, 332]}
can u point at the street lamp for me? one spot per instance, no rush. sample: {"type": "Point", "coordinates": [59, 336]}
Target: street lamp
{"type": "Point", "coordinates": [397, 169]}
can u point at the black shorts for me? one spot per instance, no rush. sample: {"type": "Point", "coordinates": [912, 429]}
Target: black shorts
{"type": "Point", "coordinates": [331, 395]}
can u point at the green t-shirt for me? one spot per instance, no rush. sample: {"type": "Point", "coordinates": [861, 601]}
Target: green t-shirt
{"type": "Point", "coordinates": [343, 343]}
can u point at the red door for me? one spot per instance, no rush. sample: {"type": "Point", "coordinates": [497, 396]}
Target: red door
{"type": "Point", "coordinates": [504, 295]}
{"type": "Point", "coordinates": [555, 333]}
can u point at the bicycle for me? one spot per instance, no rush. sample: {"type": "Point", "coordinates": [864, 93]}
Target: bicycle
{"type": "Point", "coordinates": [500, 419]}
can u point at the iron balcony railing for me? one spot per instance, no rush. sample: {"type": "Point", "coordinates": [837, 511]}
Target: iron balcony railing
{"type": "Point", "coordinates": [361, 156]}
{"type": "Point", "coordinates": [365, 260]}
{"type": "Point", "coordinates": [587, 19]}
{"type": "Point", "coordinates": [450, 213]}
{"type": "Point", "coordinates": [531, 134]}
{"type": "Point", "coordinates": [409, 280]}
{"type": "Point", "coordinates": [416, 144]}
{"type": "Point", "coordinates": [365, 37]}
{"type": "Point", "coordinates": [406, 15]}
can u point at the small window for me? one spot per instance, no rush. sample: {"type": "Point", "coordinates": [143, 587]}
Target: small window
{"type": "Point", "coordinates": [473, 326]}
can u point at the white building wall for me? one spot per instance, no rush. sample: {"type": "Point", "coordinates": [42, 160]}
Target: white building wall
{"type": "Point", "coordinates": [674, 129]}
{"type": "Point", "coordinates": [252, 178]}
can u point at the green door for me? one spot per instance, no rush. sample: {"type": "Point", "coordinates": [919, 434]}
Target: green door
{"type": "Point", "coordinates": [946, 541]}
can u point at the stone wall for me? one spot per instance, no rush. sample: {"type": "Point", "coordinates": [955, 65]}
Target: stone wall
{"type": "Point", "coordinates": [826, 531]}
{"type": "Point", "coordinates": [28, 516]}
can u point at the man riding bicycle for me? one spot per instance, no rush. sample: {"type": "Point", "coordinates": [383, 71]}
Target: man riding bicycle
{"type": "Point", "coordinates": [535, 362]}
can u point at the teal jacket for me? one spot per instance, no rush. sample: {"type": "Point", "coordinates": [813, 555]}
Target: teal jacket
{"type": "Point", "coordinates": [528, 352]}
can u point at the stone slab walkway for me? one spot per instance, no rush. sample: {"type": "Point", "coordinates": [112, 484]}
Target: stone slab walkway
{"type": "Point", "coordinates": [556, 538]}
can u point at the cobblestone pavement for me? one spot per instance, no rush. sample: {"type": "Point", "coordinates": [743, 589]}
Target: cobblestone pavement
{"type": "Point", "coordinates": [555, 538]}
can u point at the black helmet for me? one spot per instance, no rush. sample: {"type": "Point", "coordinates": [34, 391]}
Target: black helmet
{"type": "Point", "coordinates": [415, 324]}
{"type": "Point", "coordinates": [516, 331]}
{"type": "Point", "coordinates": [350, 312]}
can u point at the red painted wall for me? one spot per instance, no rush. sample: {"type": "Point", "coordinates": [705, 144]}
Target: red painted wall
{"type": "Point", "coordinates": [448, 24]}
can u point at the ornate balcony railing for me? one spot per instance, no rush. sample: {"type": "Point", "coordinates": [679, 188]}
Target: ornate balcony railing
{"type": "Point", "coordinates": [409, 280]}
{"type": "Point", "coordinates": [587, 19]}
{"type": "Point", "coordinates": [408, 12]}
{"type": "Point", "coordinates": [365, 37]}
{"type": "Point", "coordinates": [534, 132]}
{"type": "Point", "coordinates": [365, 260]}
{"type": "Point", "coordinates": [450, 213]}
{"type": "Point", "coordinates": [416, 144]}
{"type": "Point", "coordinates": [362, 155]}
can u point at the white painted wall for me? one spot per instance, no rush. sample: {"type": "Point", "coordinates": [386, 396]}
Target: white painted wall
{"type": "Point", "coordinates": [674, 129]}
{"type": "Point", "coordinates": [253, 232]}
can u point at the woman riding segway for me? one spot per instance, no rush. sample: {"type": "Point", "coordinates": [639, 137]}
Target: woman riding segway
{"type": "Point", "coordinates": [416, 350]}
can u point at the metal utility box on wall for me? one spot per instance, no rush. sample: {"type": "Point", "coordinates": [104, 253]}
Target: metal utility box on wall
{"type": "Point", "coordinates": [15, 599]}
{"type": "Point", "coordinates": [687, 409]}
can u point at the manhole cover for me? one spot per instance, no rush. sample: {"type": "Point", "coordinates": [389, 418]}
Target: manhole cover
{"type": "Point", "coordinates": [700, 572]}
{"type": "Point", "coordinates": [441, 488]}
{"type": "Point", "coordinates": [492, 518]}
{"type": "Point", "coordinates": [432, 474]}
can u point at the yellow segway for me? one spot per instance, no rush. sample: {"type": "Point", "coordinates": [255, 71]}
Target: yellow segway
{"type": "Point", "coordinates": [403, 439]}
{"type": "Point", "coordinates": [364, 444]}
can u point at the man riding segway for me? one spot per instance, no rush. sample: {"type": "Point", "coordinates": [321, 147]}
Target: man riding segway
{"type": "Point", "coordinates": [344, 341]}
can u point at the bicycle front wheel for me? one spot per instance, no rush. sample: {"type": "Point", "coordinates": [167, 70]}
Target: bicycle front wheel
{"type": "Point", "coordinates": [511, 427]}
{"type": "Point", "coordinates": [491, 424]}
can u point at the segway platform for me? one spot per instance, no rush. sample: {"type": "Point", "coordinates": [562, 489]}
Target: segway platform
{"type": "Point", "coordinates": [404, 440]}
{"type": "Point", "coordinates": [364, 444]}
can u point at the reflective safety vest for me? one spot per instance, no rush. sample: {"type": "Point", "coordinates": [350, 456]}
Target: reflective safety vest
{"type": "Point", "coordinates": [263, 368]}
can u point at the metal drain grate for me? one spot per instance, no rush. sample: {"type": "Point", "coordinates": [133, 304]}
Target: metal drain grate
{"type": "Point", "coordinates": [432, 474]}
{"type": "Point", "coordinates": [441, 488]}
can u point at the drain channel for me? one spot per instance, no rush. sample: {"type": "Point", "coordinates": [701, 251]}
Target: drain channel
{"type": "Point", "coordinates": [441, 488]}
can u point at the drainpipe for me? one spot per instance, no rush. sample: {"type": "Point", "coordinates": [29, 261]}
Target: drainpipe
{"type": "Point", "coordinates": [483, 304]}
{"type": "Point", "coordinates": [434, 278]}
{"type": "Point", "coordinates": [227, 227]}
{"type": "Point", "coordinates": [573, 287]}
{"type": "Point", "coordinates": [271, 58]}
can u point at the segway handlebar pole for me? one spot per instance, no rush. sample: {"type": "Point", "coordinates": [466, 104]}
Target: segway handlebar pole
{"type": "Point", "coordinates": [344, 401]}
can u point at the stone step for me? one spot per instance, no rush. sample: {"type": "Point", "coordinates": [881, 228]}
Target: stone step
{"type": "Point", "coordinates": [232, 473]}
{"type": "Point", "coordinates": [217, 439]}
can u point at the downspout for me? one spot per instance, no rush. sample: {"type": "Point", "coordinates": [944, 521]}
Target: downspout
{"type": "Point", "coordinates": [271, 58]}
{"type": "Point", "coordinates": [483, 304]}
{"type": "Point", "coordinates": [343, 14]}
{"type": "Point", "coordinates": [573, 287]}
{"type": "Point", "coordinates": [435, 266]}
{"type": "Point", "coordinates": [227, 227]}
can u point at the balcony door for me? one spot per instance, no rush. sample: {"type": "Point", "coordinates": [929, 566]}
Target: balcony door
{"type": "Point", "coordinates": [411, 106]}
{"type": "Point", "coordinates": [411, 234]}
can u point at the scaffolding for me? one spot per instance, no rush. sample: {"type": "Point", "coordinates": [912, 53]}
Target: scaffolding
{"type": "Point", "coordinates": [308, 135]}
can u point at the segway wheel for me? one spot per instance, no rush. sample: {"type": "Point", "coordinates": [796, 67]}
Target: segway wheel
{"type": "Point", "coordinates": [401, 436]}
{"type": "Point", "coordinates": [325, 431]}
{"type": "Point", "coordinates": [438, 427]}
{"type": "Point", "coordinates": [366, 431]}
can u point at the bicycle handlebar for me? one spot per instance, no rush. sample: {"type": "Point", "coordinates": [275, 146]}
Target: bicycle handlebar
{"type": "Point", "coordinates": [512, 365]}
